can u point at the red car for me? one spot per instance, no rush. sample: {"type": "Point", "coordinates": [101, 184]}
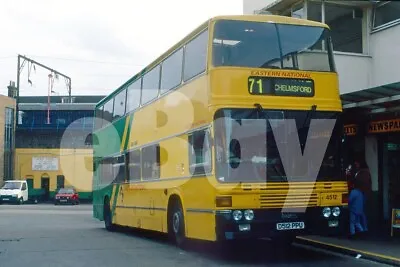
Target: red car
{"type": "Point", "coordinates": [66, 196]}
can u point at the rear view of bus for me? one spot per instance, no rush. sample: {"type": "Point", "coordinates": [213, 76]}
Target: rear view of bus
{"type": "Point", "coordinates": [277, 135]}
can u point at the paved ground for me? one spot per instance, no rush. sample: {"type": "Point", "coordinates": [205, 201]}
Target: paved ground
{"type": "Point", "coordinates": [47, 235]}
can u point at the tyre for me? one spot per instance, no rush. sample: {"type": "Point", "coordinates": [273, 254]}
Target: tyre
{"type": "Point", "coordinates": [21, 201]}
{"type": "Point", "coordinates": [108, 216]}
{"type": "Point", "coordinates": [177, 225]}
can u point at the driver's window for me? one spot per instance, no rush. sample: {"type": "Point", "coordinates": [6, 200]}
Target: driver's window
{"type": "Point", "coordinates": [23, 187]}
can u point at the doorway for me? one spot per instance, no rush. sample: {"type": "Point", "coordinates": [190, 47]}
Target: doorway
{"type": "Point", "coordinates": [391, 175]}
{"type": "Point", "coordinates": [60, 181]}
{"type": "Point", "coordinates": [45, 185]}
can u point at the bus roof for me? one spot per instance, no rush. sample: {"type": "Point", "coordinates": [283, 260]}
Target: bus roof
{"type": "Point", "coordinates": [272, 19]}
{"type": "Point", "coordinates": [255, 18]}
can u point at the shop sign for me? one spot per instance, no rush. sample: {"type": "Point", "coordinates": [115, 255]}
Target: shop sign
{"type": "Point", "coordinates": [350, 129]}
{"type": "Point", "coordinates": [384, 126]}
{"type": "Point", "coordinates": [44, 164]}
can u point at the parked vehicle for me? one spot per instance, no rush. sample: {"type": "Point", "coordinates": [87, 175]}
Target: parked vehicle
{"type": "Point", "coordinates": [66, 196]}
{"type": "Point", "coordinates": [14, 191]}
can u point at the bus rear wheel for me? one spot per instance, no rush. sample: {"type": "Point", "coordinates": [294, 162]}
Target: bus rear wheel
{"type": "Point", "coordinates": [176, 225]}
{"type": "Point", "coordinates": [107, 216]}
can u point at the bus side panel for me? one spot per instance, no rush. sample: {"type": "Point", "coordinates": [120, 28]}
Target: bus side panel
{"type": "Point", "coordinates": [98, 200]}
{"type": "Point", "coordinates": [199, 198]}
{"type": "Point", "coordinates": [136, 207]}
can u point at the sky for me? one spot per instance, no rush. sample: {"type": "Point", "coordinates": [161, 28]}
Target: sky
{"type": "Point", "coordinates": [98, 44]}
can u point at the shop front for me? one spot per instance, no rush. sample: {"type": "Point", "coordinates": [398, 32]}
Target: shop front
{"type": "Point", "coordinates": [376, 138]}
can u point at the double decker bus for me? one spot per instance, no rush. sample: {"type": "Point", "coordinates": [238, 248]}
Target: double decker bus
{"type": "Point", "coordinates": [194, 144]}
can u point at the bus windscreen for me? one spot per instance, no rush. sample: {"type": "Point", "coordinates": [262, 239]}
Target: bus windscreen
{"type": "Point", "coordinates": [272, 45]}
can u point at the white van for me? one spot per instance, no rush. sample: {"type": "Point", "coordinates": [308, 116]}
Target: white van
{"type": "Point", "coordinates": [14, 191]}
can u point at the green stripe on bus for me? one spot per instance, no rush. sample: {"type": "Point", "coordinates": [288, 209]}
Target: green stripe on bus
{"type": "Point", "coordinates": [126, 146]}
{"type": "Point", "coordinates": [115, 199]}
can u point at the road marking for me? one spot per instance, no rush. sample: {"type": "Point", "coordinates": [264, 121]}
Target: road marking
{"type": "Point", "coordinates": [377, 255]}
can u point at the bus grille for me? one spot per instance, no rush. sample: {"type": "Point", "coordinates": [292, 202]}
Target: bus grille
{"type": "Point", "coordinates": [288, 201]}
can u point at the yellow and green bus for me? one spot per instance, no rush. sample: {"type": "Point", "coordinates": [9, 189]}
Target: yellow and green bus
{"type": "Point", "coordinates": [171, 148]}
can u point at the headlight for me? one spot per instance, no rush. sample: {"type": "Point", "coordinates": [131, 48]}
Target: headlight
{"type": "Point", "coordinates": [326, 212]}
{"type": "Point", "coordinates": [249, 215]}
{"type": "Point", "coordinates": [336, 211]}
{"type": "Point", "coordinates": [237, 215]}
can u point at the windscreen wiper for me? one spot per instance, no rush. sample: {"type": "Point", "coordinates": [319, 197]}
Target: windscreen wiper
{"type": "Point", "coordinates": [260, 110]}
{"type": "Point", "coordinates": [309, 116]}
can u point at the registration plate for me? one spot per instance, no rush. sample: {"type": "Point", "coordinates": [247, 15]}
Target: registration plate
{"type": "Point", "coordinates": [290, 226]}
{"type": "Point", "coordinates": [63, 200]}
{"type": "Point", "coordinates": [6, 199]}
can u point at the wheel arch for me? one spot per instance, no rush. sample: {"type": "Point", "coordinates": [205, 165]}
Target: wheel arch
{"type": "Point", "coordinates": [174, 198]}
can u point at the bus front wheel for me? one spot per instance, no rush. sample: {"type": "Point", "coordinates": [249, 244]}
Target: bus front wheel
{"type": "Point", "coordinates": [177, 225]}
{"type": "Point", "coordinates": [107, 216]}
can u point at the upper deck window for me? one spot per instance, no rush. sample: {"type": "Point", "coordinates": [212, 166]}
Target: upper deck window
{"type": "Point", "coordinates": [119, 104]}
{"type": "Point", "coordinates": [195, 56]}
{"type": "Point", "coordinates": [151, 84]}
{"type": "Point", "coordinates": [269, 45]}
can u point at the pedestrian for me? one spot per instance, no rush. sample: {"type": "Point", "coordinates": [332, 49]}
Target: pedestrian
{"type": "Point", "coordinates": [362, 180]}
{"type": "Point", "coordinates": [350, 177]}
{"type": "Point", "coordinates": [356, 208]}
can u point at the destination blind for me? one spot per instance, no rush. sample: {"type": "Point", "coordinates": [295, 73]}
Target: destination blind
{"type": "Point", "coordinates": [280, 86]}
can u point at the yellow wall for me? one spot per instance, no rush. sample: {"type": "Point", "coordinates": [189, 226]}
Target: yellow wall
{"type": "Point", "coordinates": [75, 164]}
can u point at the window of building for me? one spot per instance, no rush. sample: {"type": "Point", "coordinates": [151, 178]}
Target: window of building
{"type": "Point", "coordinates": [21, 115]}
{"type": "Point", "coordinates": [151, 162]}
{"type": "Point", "coordinates": [8, 143]}
{"type": "Point", "coordinates": [386, 13]}
{"type": "Point", "coordinates": [199, 152]}
{"type": "Point", "coordinates": [134, 165]}
{"type": "Point", "coordinates": [298, 11]}
{"type": "Point", "coordinates": [345, 23]}
{"type": "Point", "coordinates": [346, 27]}
{"type": "Point", "coordinates": [151, 84]}
{"type": "Point", "coordinates": [171, 74]}
{"type": "Point", "coordinates": [119, 104]}
{"type": "Point", "coordinates": [133, 95]}
{"type": "Point", "coordinates": [314, 11]}
{"type": "Point", "coordinates": [196, 56]}
{"type": "Point", "coordinates": [108, 110]}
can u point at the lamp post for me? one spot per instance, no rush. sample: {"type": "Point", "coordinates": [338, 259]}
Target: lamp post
{"type": "Point", "coordinates": [48, 97]}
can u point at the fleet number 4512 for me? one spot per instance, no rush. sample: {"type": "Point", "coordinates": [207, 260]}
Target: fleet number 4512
{"type": "Point", "coordinates": [331, 197]}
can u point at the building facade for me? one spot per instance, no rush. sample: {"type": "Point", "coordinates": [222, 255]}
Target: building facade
{"type": "Point", "coordinates": [366, 42]}
{"type": "Point", "coordinates": [54, 145]}
{"type": "Point", "coordinates": [7, 129]}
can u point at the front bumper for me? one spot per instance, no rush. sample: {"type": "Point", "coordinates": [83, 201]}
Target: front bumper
{"type": "Point", "coordinates": [8, 199]}
{"type": "Point", "coordinates": [265, 222]}
{"type": "Point", "coordinates": [64, 201]}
